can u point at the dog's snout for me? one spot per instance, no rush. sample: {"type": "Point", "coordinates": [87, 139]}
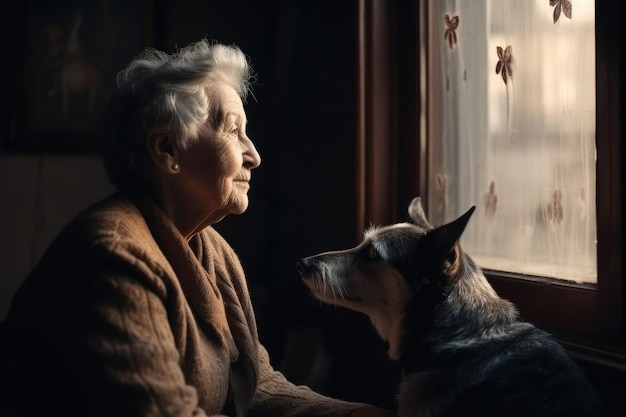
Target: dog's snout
{"type": "Point", "coordinates": [303, 265]}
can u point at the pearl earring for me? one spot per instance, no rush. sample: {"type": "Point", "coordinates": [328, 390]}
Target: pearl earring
{"type": "Point", "coordinates": [175, 167]}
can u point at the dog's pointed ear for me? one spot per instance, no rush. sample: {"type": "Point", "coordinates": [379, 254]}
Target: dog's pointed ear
{"type": "Point", "coordinates": [416, 212]}
{"type": "Point", "coordinates": [444, 238]}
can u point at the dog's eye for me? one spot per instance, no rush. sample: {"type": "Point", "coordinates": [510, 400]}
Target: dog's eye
{"type": "Point", "coordinates": [372, 253]}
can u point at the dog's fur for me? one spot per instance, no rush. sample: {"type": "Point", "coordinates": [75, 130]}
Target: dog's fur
{"type": "Point", "coordinates": [462, 349]}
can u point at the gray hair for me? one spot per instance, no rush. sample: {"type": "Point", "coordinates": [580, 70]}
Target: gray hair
{"type": "Point", "coordinates": [170, 91]}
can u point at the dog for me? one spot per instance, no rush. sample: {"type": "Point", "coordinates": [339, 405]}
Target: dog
{"type": "Point", "coordinates": [462, 349]}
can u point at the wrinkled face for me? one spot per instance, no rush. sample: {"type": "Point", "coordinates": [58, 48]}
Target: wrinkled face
{"type": "Point", "coordinates": [217, 168]}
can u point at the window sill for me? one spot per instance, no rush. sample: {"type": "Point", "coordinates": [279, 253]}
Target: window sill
{"type": "Point", "coordinates": [589, 328]}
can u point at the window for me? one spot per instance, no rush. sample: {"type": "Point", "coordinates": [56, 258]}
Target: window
{"type": "Point", "coordinates": [511, 117]}
{"type": "Point", "coordinates": [406, 141]}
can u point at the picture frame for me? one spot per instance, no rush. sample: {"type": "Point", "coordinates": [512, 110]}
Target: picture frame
{"type": "Point", "coordinates": [66, 55]}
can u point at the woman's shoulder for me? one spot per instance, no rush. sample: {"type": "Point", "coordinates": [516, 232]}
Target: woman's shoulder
{"type": "Point", "coordinates": [113, 208]}
{"type": "Point", "coordinates": [111, 233]}
{"type": "Point", "coordinates": [111, 219]}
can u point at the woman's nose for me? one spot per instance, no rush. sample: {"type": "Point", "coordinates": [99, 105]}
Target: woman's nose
{"type": "Point", "coordinates": [252, 159]}
{"type": "Point", "coordinates": [255, 158]}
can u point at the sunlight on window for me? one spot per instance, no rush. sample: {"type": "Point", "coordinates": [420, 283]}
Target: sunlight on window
{"type": "Point", "coordinates": [512, 131]}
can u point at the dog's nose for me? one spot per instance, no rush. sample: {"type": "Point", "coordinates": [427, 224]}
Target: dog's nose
{"type": "Point", "coordinates": [303, 265]}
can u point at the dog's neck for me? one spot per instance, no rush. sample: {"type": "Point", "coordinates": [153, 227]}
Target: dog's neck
{"type": "Point", "coordinates": [461, 310]}
{"type": "Point", "coordinates": [389, 328]}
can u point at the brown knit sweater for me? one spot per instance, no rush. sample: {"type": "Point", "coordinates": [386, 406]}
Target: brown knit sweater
{"type": "Point", "coordinates": [123, 317]}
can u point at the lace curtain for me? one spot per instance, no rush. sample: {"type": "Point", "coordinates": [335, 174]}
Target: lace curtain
{"type": "Point", "coordinates": [511, 110]}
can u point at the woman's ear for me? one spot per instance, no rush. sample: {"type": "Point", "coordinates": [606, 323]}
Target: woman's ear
{"type": "Point", "coordinates": [163, 150]}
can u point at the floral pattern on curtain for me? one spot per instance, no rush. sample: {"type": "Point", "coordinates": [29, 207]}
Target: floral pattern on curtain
{"type": "Point", "coordinates": [518, 142]}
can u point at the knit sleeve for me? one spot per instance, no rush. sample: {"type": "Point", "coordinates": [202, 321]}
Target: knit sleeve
{"type": "Point", "coordinates": [130, 361]}
{"type": "Point", "coordinates": [276, 396]}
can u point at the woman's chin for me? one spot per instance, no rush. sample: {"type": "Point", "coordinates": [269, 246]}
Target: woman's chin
{"type": "Point", "coordinates": [239, 205]}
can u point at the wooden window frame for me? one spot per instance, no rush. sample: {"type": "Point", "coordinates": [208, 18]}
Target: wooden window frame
{"type": "Point", "coordinates": [392, 167]}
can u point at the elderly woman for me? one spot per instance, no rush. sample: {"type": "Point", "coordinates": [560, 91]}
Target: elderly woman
{"type": "Point", "coordinates": [139, 307]}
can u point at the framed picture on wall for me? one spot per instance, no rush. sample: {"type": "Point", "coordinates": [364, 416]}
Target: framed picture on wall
{"type": "Point", "coordinates": [66, 54]}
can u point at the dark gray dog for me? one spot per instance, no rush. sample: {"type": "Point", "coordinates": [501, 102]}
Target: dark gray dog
{"type": "Point", "coordinates": [463, 350]}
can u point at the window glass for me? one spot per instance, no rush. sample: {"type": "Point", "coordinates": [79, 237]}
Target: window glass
{"type": "Point", "coordinates": [511, 107]}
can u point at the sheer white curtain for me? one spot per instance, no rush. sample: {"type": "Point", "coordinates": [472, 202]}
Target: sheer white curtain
{"type": "Point", "coordinates": [512, 131]}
